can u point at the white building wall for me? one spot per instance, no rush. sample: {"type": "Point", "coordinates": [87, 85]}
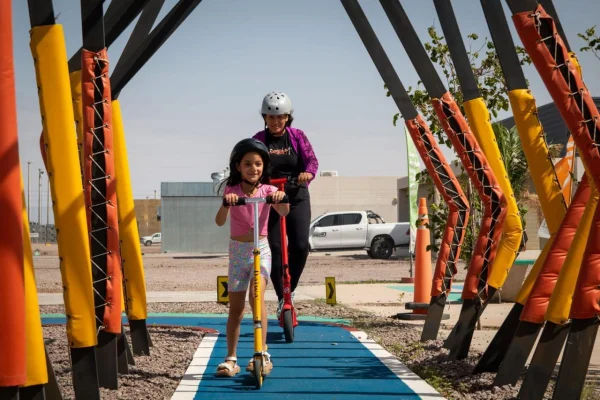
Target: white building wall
{"type": "Point", "coordinates": [340, 193]}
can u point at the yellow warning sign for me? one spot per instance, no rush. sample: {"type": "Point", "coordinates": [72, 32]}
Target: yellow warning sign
{"type": "Point", "coordinates": [330, 290]}
{"type": "Point", "coordinates": [222, 289]}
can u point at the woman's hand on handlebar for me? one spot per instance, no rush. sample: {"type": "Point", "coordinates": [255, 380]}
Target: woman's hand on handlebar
{"type": "Point", "coordinates": [231, 199]}
{"type": "Point", "coordinates": [305, 177]}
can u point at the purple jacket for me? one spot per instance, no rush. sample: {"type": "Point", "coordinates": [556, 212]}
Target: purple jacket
{"type": "Point", "coordinates": [301, 146]}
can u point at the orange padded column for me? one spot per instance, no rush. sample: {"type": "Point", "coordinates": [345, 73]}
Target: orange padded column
{"type": "Point", "coordinates": [12, 286]}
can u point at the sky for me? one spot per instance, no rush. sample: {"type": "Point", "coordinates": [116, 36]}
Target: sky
{"type": "Point", "coordinates": [202, 91]}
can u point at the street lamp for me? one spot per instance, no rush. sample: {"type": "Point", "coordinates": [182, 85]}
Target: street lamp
{"type": "Point", "coordinates": [28, 188]}
{"type": "Point", "coordinates": [40, 173]}
{"type": "Point", "coordinates": [47, 210]}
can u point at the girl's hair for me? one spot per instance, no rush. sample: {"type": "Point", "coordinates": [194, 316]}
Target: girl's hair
{"type": "Point", "coordinates": [287, 124]}
{"type": "Point", "coordinates": [235, 176]}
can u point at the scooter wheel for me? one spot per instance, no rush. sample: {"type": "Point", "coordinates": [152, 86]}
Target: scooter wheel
{"type": "Point", "coordinates": [258, 372]}
{"type": "Point", "coordinates": [288, 326]}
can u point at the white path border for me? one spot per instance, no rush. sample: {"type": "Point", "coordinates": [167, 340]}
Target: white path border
{"type": "Point", "coordinates": [188, 386]}
{"type": "Point", "coordinates": [412, 380]}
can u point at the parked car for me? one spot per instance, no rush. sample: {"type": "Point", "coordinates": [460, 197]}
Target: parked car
{"type": "Point", "coordinates": [358, 230]}
{"type": "Point", "coordinates": [150, 240]}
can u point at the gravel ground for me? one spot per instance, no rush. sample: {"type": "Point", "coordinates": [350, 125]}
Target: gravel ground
{"type": "Point", "coordinates": [153, 377]}
{"type": "Point", "coordinates": [159, 373]}
{"type": "Point", "coordinates": [428, 360]}
{"type": "Point", "coordinates": [165, 272]}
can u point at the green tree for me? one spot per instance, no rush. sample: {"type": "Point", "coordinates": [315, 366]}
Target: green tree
{"type": "Point", "coordinates": [592, 41]}
{"type": "Point", "coordinates": [492, 87]}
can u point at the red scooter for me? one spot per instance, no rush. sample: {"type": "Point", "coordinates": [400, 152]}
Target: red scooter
{"type": "Point", "coordinates": [287, 318]}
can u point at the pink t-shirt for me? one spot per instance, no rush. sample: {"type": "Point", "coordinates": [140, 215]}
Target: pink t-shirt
{"type": "Point", "coordinates": [242, 217]}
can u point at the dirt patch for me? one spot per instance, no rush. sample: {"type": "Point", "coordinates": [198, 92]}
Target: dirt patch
{"type": "Point", "coordinates": [164, 272]}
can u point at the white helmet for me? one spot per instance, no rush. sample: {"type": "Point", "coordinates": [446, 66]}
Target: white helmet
{"type": "Point", "coordinates": [276, 103]}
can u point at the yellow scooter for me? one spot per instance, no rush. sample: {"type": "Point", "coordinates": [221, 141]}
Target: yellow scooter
{"type": "Point", "coordinates": [257, 320]}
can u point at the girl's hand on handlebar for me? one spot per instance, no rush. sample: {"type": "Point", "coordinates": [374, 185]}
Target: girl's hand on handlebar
{"type": "Point", "coordinates": [277, 196]}
{"type": "Point", "coordinates": [305, 177]}
{"type": "Point", "coordinates": [231, 199]}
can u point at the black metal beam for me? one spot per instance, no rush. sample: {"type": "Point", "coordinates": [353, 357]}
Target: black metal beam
{"type": "Point", "coordinates": [543, 362]}
{"type": "Point", "coordinates": [518, 353]}
{"type": "Point", "coordinates": [33, 392]}
{"type": "Point", "coordinates": [504, 44]}
{"type": "Point", "coordinates": [380, 59]}
{"type": "Point", "coordinates": [458, 51]}
{"type": "Point", "coordinates": [414, 48]}
{"type": "Point", "coordinates": [41, 12]}
{"type": "Point", "coordinates": [9, 392]}
{"type": "Point", "coordinates": [551, 10]}
{"type": "Point", "coordinates": [127, 70]}
{"type": "Point", "coordinates": [92, 17]}
{"type": "Point", "coordinates": [118, 16]}
{"type": "Point", "coordinates": [141, 29]}
{"type": "Point", "coordinates": [75, 60]}
{"type": "Point", "coordinates": [576, 359]}
{"type": "Point", "coordinates": [494, 354]}
{"type": "Point", "coordinates": [519, 6]}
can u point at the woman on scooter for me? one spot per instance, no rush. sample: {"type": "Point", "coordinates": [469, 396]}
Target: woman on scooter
{"type": "Point", "coordinates": [249, 177]}
{"type": "Point", "coordinates": [292, 155]}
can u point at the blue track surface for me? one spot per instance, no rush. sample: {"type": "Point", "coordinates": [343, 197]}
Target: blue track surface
{"type": "Point", "coordinates": [323, 362]}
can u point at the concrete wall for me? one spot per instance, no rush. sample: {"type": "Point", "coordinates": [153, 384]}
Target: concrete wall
{"type": "Point", "coordinates": [188, 212]}
{"type": "Point", "coordinates": [340, 193]}
{"type": "Point", "coordinates": [188, 225]}
{"type": "Point", "coordinates": [145, 213]}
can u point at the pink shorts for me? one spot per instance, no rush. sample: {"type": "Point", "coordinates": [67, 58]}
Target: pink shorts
{"type": "Point", "coordinates": [241, 264]}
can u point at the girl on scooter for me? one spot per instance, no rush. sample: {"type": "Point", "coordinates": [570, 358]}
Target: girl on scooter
{"type": "Point", "coordinates": [249, 166]}
{"type": "Point", "coordinates": [292, 155]}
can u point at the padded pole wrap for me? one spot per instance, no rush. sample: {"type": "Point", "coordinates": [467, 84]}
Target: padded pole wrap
{"type": "Point", "coordinates": [492, 198]}
{"type": "Point", "coordinates": [543, 175]}
{"type": "Point", "coordinates": [12, 285]}
{"type": "Point", "coordinates": [133, 267]}
{"type": "Point", "coordinates": [562, 295]}
{"type": "Point", "coordinates": [458, 206]}
{"type": "Point", "coordinates": [586, 299]}
{"type": "Point", "coordinates": [62, 163]}
{"type": "Point", "coordinates": [563, 80]}
{"type": "Point", "coordinates": [538, 157]}
{"type": "Point", "coordinates": [537, 302]}
{"type": "Point", "coordinates": [512, 231]}
{"type": "Point", "coordinates": [37, 372]}
{"type": "Point", "coordinates": [75, 78]}
{"type": "Point", "coordinates": [101, 189]}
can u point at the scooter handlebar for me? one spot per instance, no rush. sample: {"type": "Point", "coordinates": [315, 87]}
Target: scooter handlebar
{"type": "Point", "coordinates": [241, 201]}
{"type": "Point", "coordinates": [282, 181]}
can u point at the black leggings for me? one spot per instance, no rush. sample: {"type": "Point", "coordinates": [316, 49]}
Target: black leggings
{"type": "Point", "coordinates": [297, 226]}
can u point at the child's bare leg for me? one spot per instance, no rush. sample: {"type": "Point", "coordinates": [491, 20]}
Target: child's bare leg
{"type": "Point", "coordinates": [237, 302]}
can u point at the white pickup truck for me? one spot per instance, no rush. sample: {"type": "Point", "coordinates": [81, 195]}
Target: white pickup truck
{"type": "Point", "coordinates": [358, 230]}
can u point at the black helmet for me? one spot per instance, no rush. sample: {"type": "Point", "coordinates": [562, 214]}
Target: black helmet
{"type": "Point", "coordinates": [245, 146]}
